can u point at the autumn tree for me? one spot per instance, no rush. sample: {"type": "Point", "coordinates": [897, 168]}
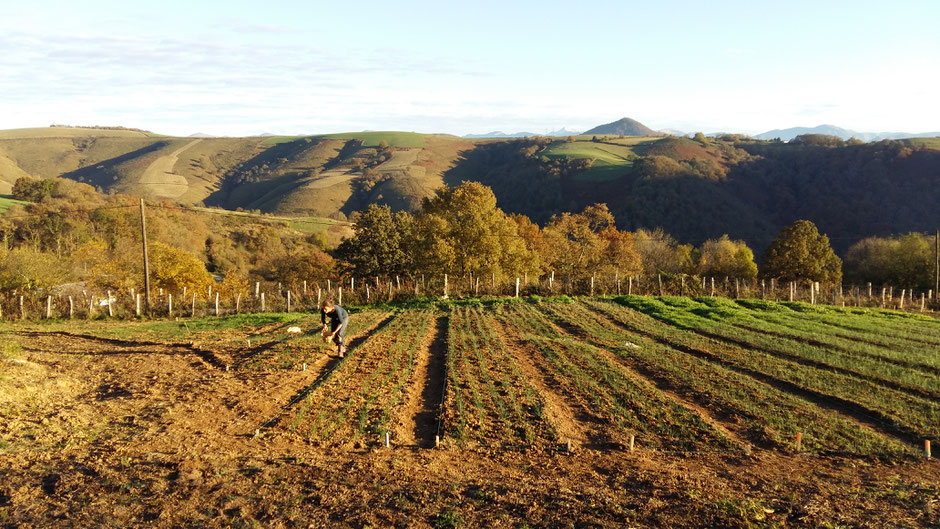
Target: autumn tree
{"type": "Point", "coordinates": [304, 264]}
{"type": "Point", "coordinates": [660, 253]}
{"type": "Point", "coordinates": [907, 260]}
{"type": "Point", "coordinates": [462, 231]}
{"type": "Point", "coordinates": [724, 257]}
{"type": "Point", "coordinates": [588, 242]}
{"type": "Point", "coordinates": [800, 252]}
{"type": "Point", "coordinates": [381, 245]}
{"type": "Point", "coordinates": [173, 269]}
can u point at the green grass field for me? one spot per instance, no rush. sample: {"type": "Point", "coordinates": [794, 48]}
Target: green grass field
{"type": "Point", "coordinates": [6, 201]}
{"type": "Point", "coordinates": [393, 138]}
{"type": "Point", "coordinates": [610, 161]}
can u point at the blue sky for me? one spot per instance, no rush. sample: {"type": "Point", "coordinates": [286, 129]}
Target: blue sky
{"type": "Point", "coordinates": [240, 68]}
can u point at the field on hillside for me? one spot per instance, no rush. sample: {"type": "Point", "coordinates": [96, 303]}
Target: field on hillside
{"type": "Point", "coordinates": [6, 201]}
{"type": "Point", "coordinates": [611, 160]}
{"type": "Point", "coordinates": [594, 412]}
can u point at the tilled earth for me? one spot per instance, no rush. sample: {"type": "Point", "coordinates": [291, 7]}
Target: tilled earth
{"type": "Point", "coordinates": [97, 433]}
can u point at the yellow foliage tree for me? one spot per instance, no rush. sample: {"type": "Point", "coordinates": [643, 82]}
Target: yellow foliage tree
{"type": "Point", "coordinates": [173, 269]}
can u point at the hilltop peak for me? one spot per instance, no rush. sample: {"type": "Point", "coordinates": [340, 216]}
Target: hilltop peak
{"type": "Point", "coordinates": [625, 126]}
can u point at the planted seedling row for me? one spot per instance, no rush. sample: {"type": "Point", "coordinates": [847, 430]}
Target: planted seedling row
{"type": "Point", "coordinates": [489, 401]}
{"type": "Point", "coordinates": [908, 416]}
{"type": "Point", "coordinates": [632, 405]}
{"type": "Point", "coordinates": [768, 417]}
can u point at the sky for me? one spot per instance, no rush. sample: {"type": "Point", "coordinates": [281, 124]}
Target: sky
{"type": "Point", "coordinates": [239, 68]}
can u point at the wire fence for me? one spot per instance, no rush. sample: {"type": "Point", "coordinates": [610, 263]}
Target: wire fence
{"type": "Point", "coordinates": [78, 301]}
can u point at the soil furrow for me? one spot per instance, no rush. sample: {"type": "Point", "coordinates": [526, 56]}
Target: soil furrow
{"type": "Point", "coordinates": [421, 406]}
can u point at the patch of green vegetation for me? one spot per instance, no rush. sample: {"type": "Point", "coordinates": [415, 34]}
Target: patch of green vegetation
{"type": "Point", "coordinates": [274, 140]}
{"type": "Point", "coordinates": [373, 138]}
{"type": "Point", "coordinates": [929, 143]}
{"type": "Point", "coordinates": [314, 224]}
{"type": "Point", "coordinates": [7, 200]}
{"type": "Point", "coordinates": [610, 161]}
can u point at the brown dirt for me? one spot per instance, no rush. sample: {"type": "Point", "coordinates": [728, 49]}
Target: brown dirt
{"type": "Point", "coordinates": [99, 434]}
{"type": "Point", "coordinates": [559, 412]}
{"type": "Point", "coordinates": [421, 406]}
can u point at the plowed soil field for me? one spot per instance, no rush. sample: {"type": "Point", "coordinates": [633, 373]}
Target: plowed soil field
{"type": "Point", "coordinates": [505, 415]}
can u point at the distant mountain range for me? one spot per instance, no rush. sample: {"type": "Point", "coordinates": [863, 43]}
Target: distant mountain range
{"type": "Point", "coordinates": [832, 130]}
{"type": "Point", "coordinates": [631, 127]}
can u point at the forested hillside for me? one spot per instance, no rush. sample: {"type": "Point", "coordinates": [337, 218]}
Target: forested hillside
{"type": "Point", "coordinates": [748, 189]}
{"type": "Point", "coordinates": [695, 189]}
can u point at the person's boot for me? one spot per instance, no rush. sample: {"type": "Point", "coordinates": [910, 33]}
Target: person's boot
{"type": "Point", "coordinates": [342, 351]}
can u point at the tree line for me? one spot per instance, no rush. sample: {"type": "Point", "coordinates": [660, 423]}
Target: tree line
{"type": "Point", "coordinates": [459, 231]}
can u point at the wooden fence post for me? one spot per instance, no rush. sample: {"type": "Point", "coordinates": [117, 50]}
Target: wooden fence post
{"type": "Point", "coordinates": [169, 304]}
{"type": "Point", "coordinates": [340, 301]}
{"type": "Point", "coordinates": [238, 303]}
{"type": "Point", "coordinates": [445, 285]}
{"type": "Point", "coordinates": [192, 311]}
{"type": "Point", "coordinates": [217, 302]}
{"type": "Point", "coordinates": [72, 308]}
{"type": "Point", "coordinates": [630, 286]}
{"type": "Point", "coordinates": [660, 278]}
{"type": "Point", "coordinates": [110, 312]}
{"type": "Point", "coordinates": [22, 310]}
{"type": "Point", "coordinates": [262, 302]}
{"type": "Point", "coordinates": [713, 287]}
{"type": "Point", "coordinates": [48, 307]}
{"type": "Point", "coordinates": [137, 308]}
{"type": "Point", "coordinates": [517, 287]}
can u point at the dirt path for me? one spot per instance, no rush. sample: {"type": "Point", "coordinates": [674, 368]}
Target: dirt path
{"type": "Point", "coordinates": [421, 406]}
{"type": "Point", "coordinates": [159, 179]}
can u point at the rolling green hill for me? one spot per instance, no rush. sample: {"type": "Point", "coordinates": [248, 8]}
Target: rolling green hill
{"type": "Point", "coordinates": [694, 189]}
{"type": "Point", "coordinates": [328, 175]}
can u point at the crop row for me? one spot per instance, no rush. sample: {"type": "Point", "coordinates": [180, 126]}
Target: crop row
{"type": "Point", "coordinates": [908, 415]}
{"type": "Point", "coordinates": [488, 399]}
{"type": "Point", "coordinates": [763, 414]}
{"type": "Point", "coordinates": [364, 389]}
{"type": "Point", "coordinates": [626, 402]}
{"type": "Point", "coordinates": [275, 348]}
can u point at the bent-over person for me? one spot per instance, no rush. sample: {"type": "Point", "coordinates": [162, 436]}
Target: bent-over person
{"type": "Point", "coordinates": [339, 318]}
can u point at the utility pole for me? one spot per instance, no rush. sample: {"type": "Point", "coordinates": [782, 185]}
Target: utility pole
{"type": "Point", "coordinates": [143, 236]}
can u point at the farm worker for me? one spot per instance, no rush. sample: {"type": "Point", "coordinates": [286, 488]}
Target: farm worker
{"type": "Point", "coordinates": [339, 318]}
